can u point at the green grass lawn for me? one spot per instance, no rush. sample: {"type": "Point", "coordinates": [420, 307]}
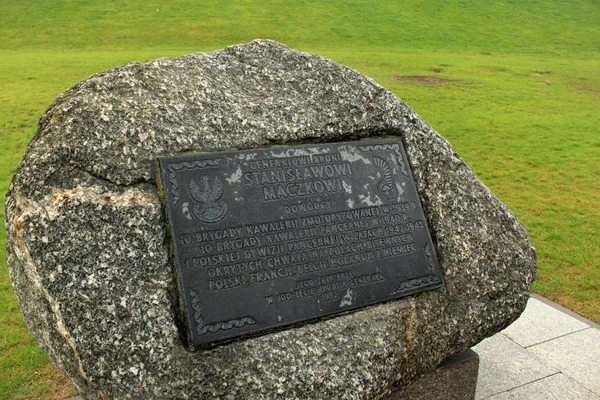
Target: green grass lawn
{"type": "Point", "coordinates": [515, 89]}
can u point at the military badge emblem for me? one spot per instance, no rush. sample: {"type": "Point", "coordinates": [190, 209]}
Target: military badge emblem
{"type": "Point", "coordinates": [209, 207]}
{"type": "Point", "coordinates": [386, 187]}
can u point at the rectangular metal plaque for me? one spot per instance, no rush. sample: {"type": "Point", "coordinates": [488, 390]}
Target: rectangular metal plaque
{"type": "Point", "coordinates": [271, 237]}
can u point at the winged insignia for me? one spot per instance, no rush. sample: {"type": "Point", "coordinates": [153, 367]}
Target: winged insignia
{"type": "Point", "coordinates": [211, 208]}
{"type": "Point", "coordinates": [206, 195]}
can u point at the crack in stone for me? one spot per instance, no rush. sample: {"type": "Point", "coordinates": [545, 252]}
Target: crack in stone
{"type": "Point", "coordinates": [136, 181]}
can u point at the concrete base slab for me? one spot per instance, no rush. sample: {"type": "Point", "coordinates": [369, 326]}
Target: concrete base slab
{"type": "Point", "coordinates": [541, 322]}
{"type": "Point", "coordinates": [505, 365]}
{"type": "Point", "coordinates": [554, 387]}
{"type": "Point", "coordinates": [576, 355]}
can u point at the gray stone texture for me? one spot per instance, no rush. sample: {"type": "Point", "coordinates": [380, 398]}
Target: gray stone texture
{"type": "Point", "coordinates": [89, 258]}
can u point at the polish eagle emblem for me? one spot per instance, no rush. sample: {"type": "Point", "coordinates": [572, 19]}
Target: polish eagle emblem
{"type": "Point", "coordinates": [209, 207]}
{"type": "Point", "coordinates": [386, 187]}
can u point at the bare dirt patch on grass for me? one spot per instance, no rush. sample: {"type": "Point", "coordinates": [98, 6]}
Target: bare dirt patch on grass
{"type": "Point", "coordinates": [582, 85]}
{"type": "Point", "coordinates": [431, 80]}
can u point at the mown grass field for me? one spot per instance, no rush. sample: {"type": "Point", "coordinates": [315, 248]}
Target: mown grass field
{"type": "Point", "coordinates": [513, 85]}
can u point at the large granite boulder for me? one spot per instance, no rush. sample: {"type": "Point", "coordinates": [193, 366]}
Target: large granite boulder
{"type": "Point", "coordinates": [89, 257]}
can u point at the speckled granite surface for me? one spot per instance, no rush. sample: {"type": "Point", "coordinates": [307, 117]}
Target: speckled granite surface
{"type": "Point", "coordinates": [89, 261]}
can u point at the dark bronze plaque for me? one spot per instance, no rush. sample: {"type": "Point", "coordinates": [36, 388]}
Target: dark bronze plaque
{"type": "Point", "coordinates": [267, 238]}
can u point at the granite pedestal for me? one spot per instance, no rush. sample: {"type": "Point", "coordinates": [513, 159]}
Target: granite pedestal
{"type": "Point", "coordinates": [454, 379]}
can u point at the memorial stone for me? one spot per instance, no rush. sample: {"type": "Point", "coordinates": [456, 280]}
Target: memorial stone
{"type": "Point", "coordinates": [254, 222]}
